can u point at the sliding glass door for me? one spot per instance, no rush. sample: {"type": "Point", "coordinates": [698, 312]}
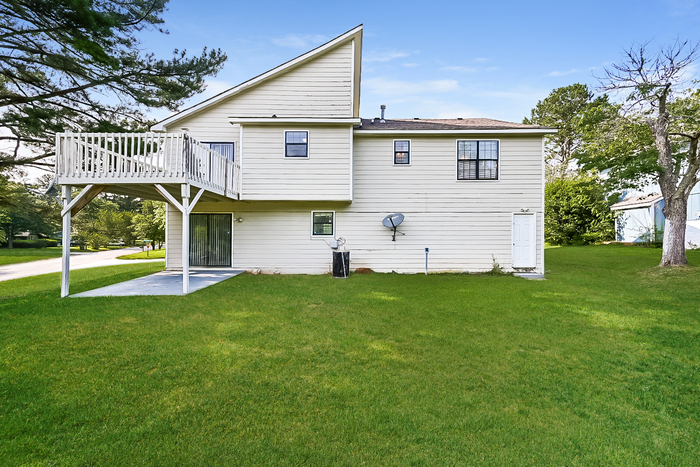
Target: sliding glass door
{"type": "Point", "coordinates": [210, 240]}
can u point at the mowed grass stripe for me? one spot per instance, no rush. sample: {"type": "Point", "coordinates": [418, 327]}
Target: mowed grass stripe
{"type": "Point", "coordinates": [597, 365]}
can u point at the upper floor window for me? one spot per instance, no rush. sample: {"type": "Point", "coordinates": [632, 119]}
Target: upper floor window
{"type": "Point", "coordinates": [477, 160]}
{"type": "Point", "coordinates": [225, 149]}
{"type": "Point", "coordinates": [402, 152]}
{"type": "Point", "coordinates": [296, 144]}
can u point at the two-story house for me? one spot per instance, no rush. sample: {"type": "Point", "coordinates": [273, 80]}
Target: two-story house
{"type": "Point", "coordinates": [270, 174]}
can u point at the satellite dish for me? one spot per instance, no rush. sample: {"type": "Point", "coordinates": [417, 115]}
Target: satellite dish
{"type": "Point", "coordinates": [392, 221]}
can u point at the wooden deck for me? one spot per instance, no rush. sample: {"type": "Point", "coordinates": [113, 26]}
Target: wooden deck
{"type": "Point", "coordinates": [123, 161]}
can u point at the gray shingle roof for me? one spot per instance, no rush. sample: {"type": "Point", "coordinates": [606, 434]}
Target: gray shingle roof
{"type": "Point", "coordinates": [639, 201]}
{"type": "Point", "coordinates": [443, 124]}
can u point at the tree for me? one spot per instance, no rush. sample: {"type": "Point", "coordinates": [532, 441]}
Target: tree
{"type": "Point", "coordinates": [563, 109]}
{"type": "Point", "coordinates": [150, 222]}
{"type": "Point", "coordinates": [68, 65]}
{"type": "Point", "coordinates": [658, 130]}
{"type": "Point", "coordinates": [577, 211]}
{"type": "Point", "coordinates": [101, 222]}
{"type": "Point", "coordinates": [21, 211]}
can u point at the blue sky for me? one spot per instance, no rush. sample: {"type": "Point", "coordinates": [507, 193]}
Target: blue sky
{"type": "Point", "coordinates": [432, 59]}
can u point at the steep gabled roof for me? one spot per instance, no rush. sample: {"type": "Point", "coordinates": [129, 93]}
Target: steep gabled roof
{"type": "Point", "coordinates": [355, 33]}
{"type": "Point", "coordinates": [639, 201]}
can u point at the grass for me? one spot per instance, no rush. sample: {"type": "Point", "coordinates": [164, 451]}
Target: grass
{"type": "Point", "coordinates": [597, 365]}
{"type": "Point", "coordinates": [153, 254]}
{"type": "Point", "coordinates": [24, 255]}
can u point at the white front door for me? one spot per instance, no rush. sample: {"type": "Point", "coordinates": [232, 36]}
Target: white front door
{"type": "Point", "coordinates": [524, 240]}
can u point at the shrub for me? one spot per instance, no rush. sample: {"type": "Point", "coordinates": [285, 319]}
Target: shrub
{"type": "Point", "coordinates": [30, 243]}
{"type": "Point", "coordinates": [577, 211]}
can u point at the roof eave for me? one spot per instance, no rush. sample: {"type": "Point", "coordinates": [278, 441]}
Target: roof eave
{"type": "Point", "coordinates": [276, 120]}
{"type": "Point", "coordinates": [538, 131]}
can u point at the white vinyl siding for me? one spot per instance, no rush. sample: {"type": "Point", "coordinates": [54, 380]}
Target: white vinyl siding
{"type": "Point", "coordinates": [462, 223]}
{"type": "Point", "coordinates": [173, 249]}
{"type": "Point", "coordinates": [465, 225]}
{"type": "Point", "coordinates": [319, 88]}
{"type": "Point", "coordinates": [268, 175]}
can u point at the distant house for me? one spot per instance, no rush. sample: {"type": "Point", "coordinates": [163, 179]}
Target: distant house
{"type": "Point", "coordinates": [26, 236]}
{"type": "Point", "coordinates": [642, 219]}
{"type": "Point", "coordinates": [275, 173]}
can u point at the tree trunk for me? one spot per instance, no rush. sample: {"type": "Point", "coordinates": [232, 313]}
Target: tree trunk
{"type": "Point", "coordinates": [674, 232]}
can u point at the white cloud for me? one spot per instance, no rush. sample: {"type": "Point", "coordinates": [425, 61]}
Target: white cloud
{"type": "Point", "coordinates": [214, 87]}
{"type": "Point", "coordinates": [455, 111]}
{"type": "Point", "coordinates": [565, 73]}
{"type": "Point", "coordinates": [464, 69]}
{"type": "Point", "coordinates": [482, 60]}
{"type": "Point", "coordinates": [522, 95]}
{"type": "Point", "coordinates": [391, 87]}
{"type": "Point", "coordinates": [410, 65]}
{"type": "Point", "coordinates": [299, 41]}
{"type": "Point", "coordinates": [384, 55]}
{"type": "Point", "coordinates": [468, 69]}
{"type": "Point", "coordinates": [684, 8]}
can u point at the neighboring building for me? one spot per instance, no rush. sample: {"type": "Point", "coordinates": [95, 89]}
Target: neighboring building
{"type": "Point", "coordinates": [641, 218]}
{"type": "Point", "coordinates": [287, 168]}
{"type": "Point", "coordinates": [26, 236]}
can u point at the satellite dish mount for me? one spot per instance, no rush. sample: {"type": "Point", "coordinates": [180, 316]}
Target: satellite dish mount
{"type": "Point", "coordinates": [392, 221]}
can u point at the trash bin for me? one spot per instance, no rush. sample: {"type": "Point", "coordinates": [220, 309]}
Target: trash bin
{"type": "Point", "coordinates": [341, 264]}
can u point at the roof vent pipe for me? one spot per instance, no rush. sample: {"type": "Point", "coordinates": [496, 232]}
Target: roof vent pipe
{"type": "Point", "coordinates": [383, 107]}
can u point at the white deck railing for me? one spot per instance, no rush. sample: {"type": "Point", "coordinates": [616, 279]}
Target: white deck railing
{"type": "Point", "coordinates": [113, 158]}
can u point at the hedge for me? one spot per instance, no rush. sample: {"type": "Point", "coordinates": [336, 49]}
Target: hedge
{"type": "Point", "coordinates": [43, 243]}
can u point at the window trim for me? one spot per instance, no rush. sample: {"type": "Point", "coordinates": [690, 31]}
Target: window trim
{"type": "Point", "coordinates": [393, 145]}
{"type": "Point", "coordinates": [308, 149]}
{"type": "Point", "coordinates": [322, 236]}
{"type": "Point", "coordinates": [209, 143]}
{"type": "Point", "coordinates": [457, 159]}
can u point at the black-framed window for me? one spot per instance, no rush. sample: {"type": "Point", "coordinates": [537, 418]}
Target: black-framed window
{"type": "Point", "coordinates": [402, 152]}
{"type": "Point", "coordinates": [322, 223]}
{"type": "Point", "coordinates": [296, 144]}
{"type": "Point", "coordinates": [477, 160]}
{"type": "Point", "coordinates": [228, 150]}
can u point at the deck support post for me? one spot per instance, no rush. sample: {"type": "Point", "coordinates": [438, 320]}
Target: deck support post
{"type": "Point", "coordinates": [65, 264]}
{"type": "Point", "coordinates": [185, 238]}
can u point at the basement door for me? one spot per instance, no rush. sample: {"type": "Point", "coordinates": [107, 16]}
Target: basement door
{"type": "Point", "coordinates": [210, 240]}
{"type": "Point", "coordinates": [524, 240]}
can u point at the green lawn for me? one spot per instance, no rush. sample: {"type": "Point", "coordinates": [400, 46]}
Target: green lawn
{"type": "Point", "coordinates": [598, 365]}
{"type": "Point", "coordinates": [152, 254]}
{"type": "Point", "coordinates": [23, 255]}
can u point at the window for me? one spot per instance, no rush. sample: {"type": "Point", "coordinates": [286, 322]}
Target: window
{"type": "Point", "coordinates": [296, 144]}
{"type": "Point", "coordinates": [402, 152]}
{"type": "Point", "coordinates": [477, 160]}
{"type": "Point", "coordinates": [225, 149]}
{"type": "Point", "coordinates": [322, 223]}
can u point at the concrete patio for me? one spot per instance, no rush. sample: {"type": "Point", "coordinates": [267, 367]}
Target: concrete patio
{"type": "Point", "coordinates": [162, 283]}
